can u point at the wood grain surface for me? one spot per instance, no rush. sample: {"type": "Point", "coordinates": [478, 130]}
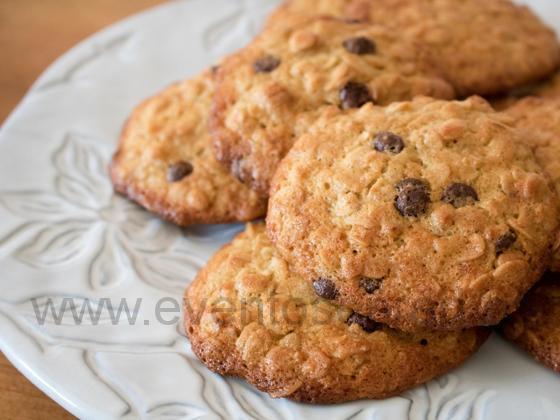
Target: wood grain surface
{"type": "Point", "coordinates": [33, 33]}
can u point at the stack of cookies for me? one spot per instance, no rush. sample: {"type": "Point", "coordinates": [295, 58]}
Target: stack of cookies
{"type": "Point", "coordinates": [404, 216]}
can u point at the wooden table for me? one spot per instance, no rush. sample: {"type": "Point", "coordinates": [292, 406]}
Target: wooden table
{"type": "Point", "coordinates": [33, 33]}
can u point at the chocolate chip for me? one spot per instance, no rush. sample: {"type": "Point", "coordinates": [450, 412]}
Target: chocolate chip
{"type": "Point", "coordinates": [424, 342]}
{"type": "Point", "coordinates": [266, 64]}
{"type": "Point", "coordinates": [369, 284]}
{"type": "Point", "coordinates": [459, 195]}
{"type": "Point", "coordinates": [367, 324]}
{"type": "Point", "coordinates": [325, 288]}
{"type": "Point", "coordinates": [177, 171]}
{"type": "Point", "coordinates": [354, 95]}
{"type": "Point", "coordinates": [385, 141]}
{"type": "Point", "coordinates": [353, 21]}
{"type": "Point", "coordinates": [359, 45]}
{"type": "Point", "coordinates": [413, 197]}
{"type": "Point", "coordinates": [505, 241]}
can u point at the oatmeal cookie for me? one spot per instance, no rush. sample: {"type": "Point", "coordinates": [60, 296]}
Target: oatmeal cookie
{"type": "Point", "coordinates": [270, 92]}
{"type": "Point", "coordinates": [248, 315]}
{"type": "Point", "coordinates": [166, 164]}
{"type": "Point", "coordinates": [484, 47]}
{"type": "Point", "coordinates": [422, 215]}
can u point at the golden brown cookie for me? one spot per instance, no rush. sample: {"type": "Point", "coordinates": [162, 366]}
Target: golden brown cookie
{"type": "Point", "coordinates": [248, 315]}
{"type": "Point", "coordinates": [422, 215]}
{"type": "Point", "coordinates": [535, 326]}
{"type": "Point", "coordinates": [270, 92]}
{"type": "Point", "coordinates": [166, 164]}
{"type": "Point", "coordinates": [539, 118]}
{"type": "Point", "coordinates": [484, 47]}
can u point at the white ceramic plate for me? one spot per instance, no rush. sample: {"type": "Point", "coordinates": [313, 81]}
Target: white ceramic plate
{"type": "Point", "coordinates": [64, 235]}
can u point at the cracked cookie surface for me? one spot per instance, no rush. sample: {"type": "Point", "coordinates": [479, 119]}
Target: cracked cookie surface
{"type": "Point", "coordinates": [451, 227]}
{"type": "Point", "coordinates": [248, 315]}
{"type": "Point", "coordinates": [270, 92]}
{"type": "Point", "coordinates": [539, 119]}
{"type": "Point", "coordinates": [165, 161]}
{"type": "Point", "coordinates": [535, 326]}
{"type": "Point", "coordinates": [484, 47]}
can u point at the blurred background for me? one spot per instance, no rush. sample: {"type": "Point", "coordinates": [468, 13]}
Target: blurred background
{"type": "Point", "coordinates": [33, 33]}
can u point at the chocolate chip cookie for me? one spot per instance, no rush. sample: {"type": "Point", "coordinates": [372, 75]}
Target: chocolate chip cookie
{"type": "Point", "coordinates": [539, 119]}
{"type": "Point", "coordinates": [166, 164]}
{"type": "Point", "coordinates": [535, 327]}
{"type": "Point", "coordinates": [484, 47]}
{"type": "Point", "coordinates": [247, 314]}
{"type": "Point", "coordinates": [297, 69]}
{"type": "Point", "coordinates": [426, 214]}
